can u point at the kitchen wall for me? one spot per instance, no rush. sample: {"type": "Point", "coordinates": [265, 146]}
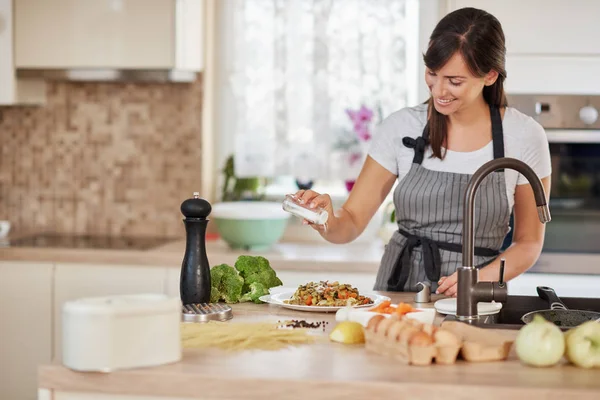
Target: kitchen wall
{"type": "Point", "coordinates": [102, 158]}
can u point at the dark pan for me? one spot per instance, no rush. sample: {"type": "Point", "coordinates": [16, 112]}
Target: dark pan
{"type": "Point", "coordinates": [559, 314]}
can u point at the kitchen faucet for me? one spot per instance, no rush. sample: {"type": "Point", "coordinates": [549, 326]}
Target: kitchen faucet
{"type": "Point", "coordinates": [470, 291]}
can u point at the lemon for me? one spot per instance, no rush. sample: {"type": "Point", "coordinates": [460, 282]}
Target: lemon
{"type": "Point", "coordinates": [348, 332]}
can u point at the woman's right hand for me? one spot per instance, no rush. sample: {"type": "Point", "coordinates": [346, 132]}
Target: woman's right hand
{"type": "Point", "coordinates": [315, 200]}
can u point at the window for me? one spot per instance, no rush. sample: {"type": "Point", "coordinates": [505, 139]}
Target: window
{"type": "Point", "coordinates": [288, 70]}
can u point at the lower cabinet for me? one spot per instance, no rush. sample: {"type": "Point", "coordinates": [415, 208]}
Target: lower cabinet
{"type": "Point", "coordinates": [26, 326]}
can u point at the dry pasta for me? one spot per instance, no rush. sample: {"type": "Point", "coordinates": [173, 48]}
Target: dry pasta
{"type": "Point", "coordinates": [242, 336]}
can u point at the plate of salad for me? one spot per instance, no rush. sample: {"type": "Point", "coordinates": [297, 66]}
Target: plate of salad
{"type": "Point", "coordinates": [323, 296]}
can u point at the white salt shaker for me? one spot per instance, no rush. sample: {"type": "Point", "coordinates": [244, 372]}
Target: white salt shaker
{"type": "Point", "coordinates": [317, 215]}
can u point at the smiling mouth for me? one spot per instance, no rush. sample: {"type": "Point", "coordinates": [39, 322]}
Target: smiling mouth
{"type": "Point", "coordinates": [444, 101]}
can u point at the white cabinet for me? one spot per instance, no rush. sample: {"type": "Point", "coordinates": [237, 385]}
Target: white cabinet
{"type": "Point", "coordinates": [109, 34]}
{"type": "Point", "coordinates": [12, 90]}
{"type": "Point", "coordinates": [544, 27]}
{"type": "Point", "coordinates": [26, 321]}
{"type": "Point", "coordinates": [552, 45]}
{"type": "Point", "coordinates": [172, 282]}
{"type": "Point", "coordinates": [73, 281]}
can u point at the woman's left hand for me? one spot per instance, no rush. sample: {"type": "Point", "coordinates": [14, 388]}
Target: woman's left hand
{"type": "Point", "coordinates": [448, 285]}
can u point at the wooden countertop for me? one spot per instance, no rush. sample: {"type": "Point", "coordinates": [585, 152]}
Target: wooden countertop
{"type": "Point", "coordinates": [326, 370]}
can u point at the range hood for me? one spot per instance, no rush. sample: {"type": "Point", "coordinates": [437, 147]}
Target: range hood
{"type": "Point", "coordinates": [108, 40]}
{"type": "Point", "coordinates": [108, 75]}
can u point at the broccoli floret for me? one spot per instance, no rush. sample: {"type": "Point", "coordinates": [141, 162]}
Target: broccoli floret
{"type": "Point", "coordinates": [215, 295]}
{"type": "Point", "coordinates": [256, 269]}
{"type": "Point", "coordinates": [226, 284]}
{"type": "Point", "coordinates": [256, 291]}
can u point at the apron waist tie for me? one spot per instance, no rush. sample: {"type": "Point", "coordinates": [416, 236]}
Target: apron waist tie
{"type": "Point", "coordinates": [431, 258]}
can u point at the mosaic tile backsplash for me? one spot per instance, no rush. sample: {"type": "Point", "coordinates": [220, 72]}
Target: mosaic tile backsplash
{"type": "Point", "coordinates": [102, 158]}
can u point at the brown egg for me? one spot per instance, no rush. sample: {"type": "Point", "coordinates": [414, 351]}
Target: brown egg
{"type": "Point", "coordinates": [384, 326]}
{"type": "Point", "coordinates": [406, 334]}
{"type": "Point", "coordinates": [393, 332]}
{"type": "Point", "coordinates": [374, 322]}
{"type": "Point", "coordinates": [421, 339]}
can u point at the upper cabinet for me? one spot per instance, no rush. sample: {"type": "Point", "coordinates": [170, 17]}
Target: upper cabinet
{"type": "Point", "coordinates": [12, 90]}
{"type": "Point", "coordinates": [108, 35]}
{"type": "Point", "coordinates": [552, 46]}
{"type": "Point", "coordinates": [544, 27]}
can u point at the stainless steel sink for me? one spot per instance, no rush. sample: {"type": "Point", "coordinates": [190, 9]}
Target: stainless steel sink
{"type": "Point", "coordinates": [517, 306]}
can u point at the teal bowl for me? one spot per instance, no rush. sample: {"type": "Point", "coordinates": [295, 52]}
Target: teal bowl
{"type": "Point", "coordinates": [250, 225]}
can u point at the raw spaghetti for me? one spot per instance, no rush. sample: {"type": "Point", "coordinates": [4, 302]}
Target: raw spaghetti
{"type": "Point", "coordinates": [242, 336]}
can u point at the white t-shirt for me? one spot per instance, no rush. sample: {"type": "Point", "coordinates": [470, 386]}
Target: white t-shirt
{"type": "Point", "coordinates": [524, 139]}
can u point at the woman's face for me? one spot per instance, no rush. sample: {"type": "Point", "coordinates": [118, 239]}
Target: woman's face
{"type": "Point", "coordinates": [454, 88]}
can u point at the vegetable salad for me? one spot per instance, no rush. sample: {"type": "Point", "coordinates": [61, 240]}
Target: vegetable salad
{"type": "Point", "coordinates": [328, 294]}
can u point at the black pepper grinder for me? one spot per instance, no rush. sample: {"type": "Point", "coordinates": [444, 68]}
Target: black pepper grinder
{"type": "Point", "coordinates": [194, 285]}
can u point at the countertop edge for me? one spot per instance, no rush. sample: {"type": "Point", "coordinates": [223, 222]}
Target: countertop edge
{"type": "Point", "coordinates": [306, 256]}
{"type": "Point", "coordinates": [58, 378]}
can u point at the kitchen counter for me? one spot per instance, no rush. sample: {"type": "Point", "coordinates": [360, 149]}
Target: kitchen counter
{"type": "Point", "coordinates": [307, 256]}
{"type": "Point", "coordinates": [323, 370]}
{"type": "Point", "coordinates": [363, 257]}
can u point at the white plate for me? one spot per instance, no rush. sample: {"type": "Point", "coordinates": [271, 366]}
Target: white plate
{"type": "Point", "coordinates": [278, 298]}
{"type": "Point", "coordinates": [448, 307]}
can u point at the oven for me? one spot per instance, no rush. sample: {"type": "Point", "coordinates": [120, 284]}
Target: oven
{"type": "Point", "coordinates": [572, 123]}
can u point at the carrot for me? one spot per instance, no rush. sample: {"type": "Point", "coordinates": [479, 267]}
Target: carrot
{"type": "Point", "coordinates": [381, 306]}
{"type": "Point", "coordinates": [308, 301]}
{"type": "Point", "coordinates": [404, 308]}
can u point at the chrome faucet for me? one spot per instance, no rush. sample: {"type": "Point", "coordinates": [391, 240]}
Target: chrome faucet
{"type": "Point", "coordinates": [470, 291]}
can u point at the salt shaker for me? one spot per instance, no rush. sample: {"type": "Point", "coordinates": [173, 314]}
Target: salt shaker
{"type": "Point", "coordinates": [317, 215]}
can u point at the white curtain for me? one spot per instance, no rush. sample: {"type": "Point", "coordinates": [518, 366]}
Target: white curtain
{"type": "Point", "coordinates": [291, 68]}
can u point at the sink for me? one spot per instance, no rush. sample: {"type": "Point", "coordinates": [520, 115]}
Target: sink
{"type": "Point", "coordinates": [517, 306]}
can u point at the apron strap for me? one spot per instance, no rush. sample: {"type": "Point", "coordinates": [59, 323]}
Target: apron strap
{"type": "Point", "coordinates": [419, 144]}
{"type": "Point", "coordinates": [432, 261]}
{"type": "Point", "coordinates": [497, 134]}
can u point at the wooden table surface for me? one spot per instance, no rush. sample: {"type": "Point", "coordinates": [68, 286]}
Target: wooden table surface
{"type": "Point", "coordinates": [327, 370]}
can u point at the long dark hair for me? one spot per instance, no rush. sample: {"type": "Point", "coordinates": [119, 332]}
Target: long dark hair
{"type": "Point", "coordinates": [479, 38]}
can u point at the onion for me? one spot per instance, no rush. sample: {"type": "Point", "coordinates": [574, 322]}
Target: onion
{"type": "Point", "coordinates": [583, 345]}
{"type": "Point", "coordinates": [540, 343]}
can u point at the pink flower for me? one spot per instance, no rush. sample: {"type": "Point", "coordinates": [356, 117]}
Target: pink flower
{"type": "Point", "coordinates": [360, 120]}
{"type": "Point", "coordinates": [361, 116]}
{"type": "Point", "coordinates": [363, 132]}
{"type": "Point", "coordinates": [354, 158]}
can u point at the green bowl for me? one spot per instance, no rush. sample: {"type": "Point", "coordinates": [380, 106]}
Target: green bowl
{"type": "Point", "coordinates": [250, 225]}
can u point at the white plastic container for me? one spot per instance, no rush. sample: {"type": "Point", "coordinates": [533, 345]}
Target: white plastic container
{"type": "Point", "coordinates": [120, 332]}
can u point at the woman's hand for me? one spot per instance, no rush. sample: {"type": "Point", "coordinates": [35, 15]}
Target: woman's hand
{"type": "Point", "coordinates": [448, 285]}
{"type": "Point", "coordinates": [349, 221]}
{"type": "Point", "coordinates": [315, 200]}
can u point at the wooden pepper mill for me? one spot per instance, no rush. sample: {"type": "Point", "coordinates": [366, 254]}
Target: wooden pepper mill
{"type": "Point", "coordinates": [194, 286]}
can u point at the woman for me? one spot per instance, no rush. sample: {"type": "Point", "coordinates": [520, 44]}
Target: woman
{"type": "Point", "coordinates": [432, 150]}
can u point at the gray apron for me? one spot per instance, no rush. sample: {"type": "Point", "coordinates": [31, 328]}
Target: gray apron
{"type": "Point", "coordinates": [429, 211]}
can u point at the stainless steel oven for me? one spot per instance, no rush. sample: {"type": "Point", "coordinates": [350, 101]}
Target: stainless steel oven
{"type": "Point", "coordinates": [572, 123]}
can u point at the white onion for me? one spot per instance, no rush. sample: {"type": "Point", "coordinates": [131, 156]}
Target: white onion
{"type": "Point", "coordinates": [540, 343]}
{"type": "Point", "coordinates": [583, 345]}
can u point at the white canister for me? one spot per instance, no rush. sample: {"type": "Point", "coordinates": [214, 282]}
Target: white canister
{"type": "Point", "coordinates": [120, 332]}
